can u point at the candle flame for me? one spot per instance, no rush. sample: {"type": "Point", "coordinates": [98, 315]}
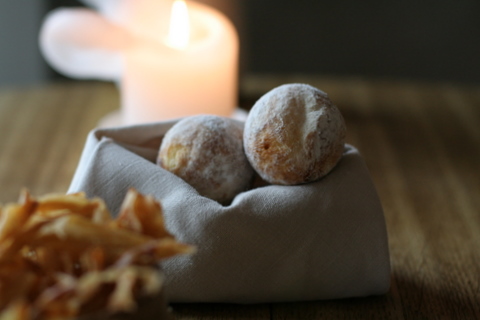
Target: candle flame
{"type": "Point", "coordinates": [179, 31]}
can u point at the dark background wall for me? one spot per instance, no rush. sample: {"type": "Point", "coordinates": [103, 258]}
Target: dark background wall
{"type": "Point", "coordinates": [20, 60]}
{"type": "Point", "coordinates": [429, 39]}
{"type": "Point", "coordinates": [425, 40]}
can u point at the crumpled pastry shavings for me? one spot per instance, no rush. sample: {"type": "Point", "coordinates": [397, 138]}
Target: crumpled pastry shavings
{"type": "Point", "coordinates": [64, 256]}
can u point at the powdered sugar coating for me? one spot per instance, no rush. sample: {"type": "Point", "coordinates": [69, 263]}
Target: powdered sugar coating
{"type": "Point", "coordinates": [207, 152]}
{"type": "Point", "coordinates": [294, 134]}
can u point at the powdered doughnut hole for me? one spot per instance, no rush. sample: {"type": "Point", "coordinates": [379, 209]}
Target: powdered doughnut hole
{"type": "Point", "coordinates": [294, 134]}
{"type": "Point", "coordinates": [207, 152]}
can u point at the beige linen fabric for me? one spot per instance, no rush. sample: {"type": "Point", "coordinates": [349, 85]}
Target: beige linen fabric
{"type": "Point", "coordinates": [322, 240]}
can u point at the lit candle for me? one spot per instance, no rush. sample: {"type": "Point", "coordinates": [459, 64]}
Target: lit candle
{"type": "Point", "coordinates": [194, 70]}
{"type": "Point", "coordinates": [163, 73]}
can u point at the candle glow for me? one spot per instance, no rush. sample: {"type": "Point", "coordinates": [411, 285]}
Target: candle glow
{"type": "Point", "coordinates": [179, 30]}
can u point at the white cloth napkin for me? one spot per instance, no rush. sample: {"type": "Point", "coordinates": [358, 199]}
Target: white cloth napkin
{"type": "Point", "coordinates": [322, 240]}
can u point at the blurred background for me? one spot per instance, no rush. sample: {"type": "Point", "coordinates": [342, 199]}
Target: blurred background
{"type": "Point", "coordinates": [412, 40]}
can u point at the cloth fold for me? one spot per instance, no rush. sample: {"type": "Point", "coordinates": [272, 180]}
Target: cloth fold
{"type": "Point", "coordinates": [322, 240]}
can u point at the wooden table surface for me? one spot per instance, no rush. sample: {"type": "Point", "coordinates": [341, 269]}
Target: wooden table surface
{"type": "Point", "coordinates": [421, 143]}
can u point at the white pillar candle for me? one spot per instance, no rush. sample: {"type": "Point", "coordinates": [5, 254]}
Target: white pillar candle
{"type": "Point", "coordinates": [162, 82]}
{"type": "Point", "coordinates": [126, 42]}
